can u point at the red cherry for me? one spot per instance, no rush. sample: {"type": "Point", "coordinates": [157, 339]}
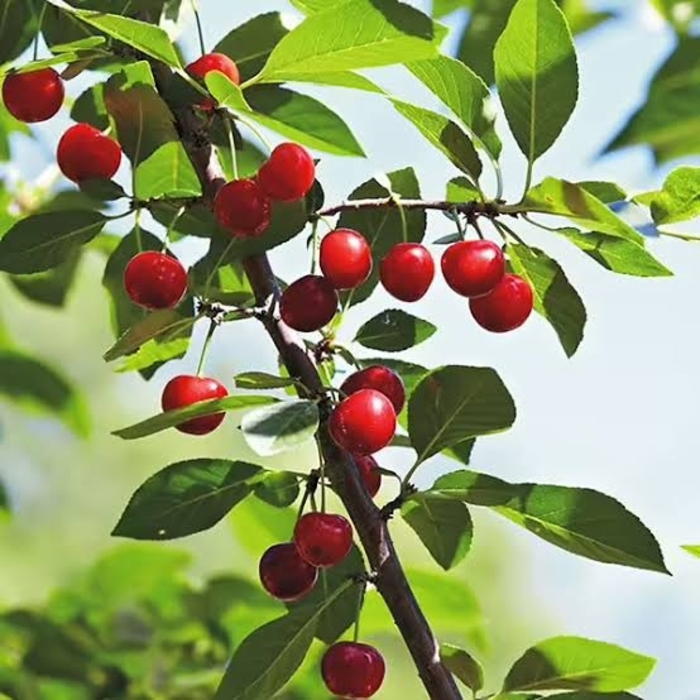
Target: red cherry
{"type": "Point", "coordinates": [407, 271]}
{"type": "Point", "coordinates": [369, 471]}
{"type": "Point", "coordinates": [284, 574]}
{"type": "Point", "coordinates": [345, 258]}
{"type": "Point", "coordinates": [34, 96]}
{"type": "Point", "coordinates": [288, 174]}
{"type": "Point", "coordinates": [84, 153]}
{"type": "Point", "coordinates": [309, 303]}
{"type": "Point", "coordinates": [380, 378]}
{"type": "Point", "coordinates": [353, 670]}
{"type": "Point", "coordinates": [155, 280]}
{"type": "Point", "coordinates": [209, 62]}
{"type": "Point", "coordinates": [242, 208]}
{"type": "Point", "coordinates": [186, 389]}
{"type": "Point", "coordinates": [363, 423]}
{"type": "Point", "coordinates": [473, 268]}
{"type": "Point", "coordinates": [323, 539]}
{"type": "Point", "coordinates": [506, 307]}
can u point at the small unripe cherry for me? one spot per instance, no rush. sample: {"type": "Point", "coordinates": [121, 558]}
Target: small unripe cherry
{"type": "Point", "coordinates": [506, 307]}
{"type": "Point", "coordinates": [380, 378]}
{"type": "Point", "coordinates": [288, 174]}
{"type": "Point", "coordinates": [155, 280]}
{"type": "Point", "coordinates": [407, 271]}
{"type": "Point", "coordinates": [213, 62]}
{"type": "Point", "coordinates": [345, 258]}
{"type": "Point", "coordinates": [473, 268]}
{"type": "Point", "coordinates": [242, 208]}
{"type": "Point", "coordinates": [353, 670]}
{"type": "Point", "coordinates": [85, 153]}
{"type": "Point", "coordinates": [363, 423]}
{"type": "Point", "coordinates": [369, 471]}
{"type": "Point", "coordinates": [309, 303]}
{"type": "Point", "coordinates": [34, 96]}
{"type": "Point", "coordinates": [323, 539]}
{"type": "Point", "coordinates": [185, 390]}
{"type": "Point", "coordinates": [284, 574]}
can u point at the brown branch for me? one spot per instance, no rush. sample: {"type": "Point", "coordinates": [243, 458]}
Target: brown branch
{"type": "Point", "coordinates": [471, 208]}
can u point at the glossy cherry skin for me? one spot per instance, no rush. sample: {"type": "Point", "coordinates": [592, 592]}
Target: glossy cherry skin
{"type": "Point", "coordinates": [284, 574]}
{"type": "Point", "coordinates": [505, 308]}
{"type": "Point", "coordinates": [242, 208]}
{"type": "Point", "coordinates": [380, 378]}
{"type": "Point", "coordinates": [345, 258]}
{"type": "Point", "coordinates": [288, 174]}
{"type": "Point", "coordinates": [85, 153]}
{"type": "Point", "coordinates": [473, 268]}
{"type": "Point", "coordinates": [363, 423]}
{"type": "Point", "coordinates": [323, 539]}
{"type": "Point", "coordinates": [34, 96]}
{"type": "Point", "coordinates": [155, 280]}
{"type": "Point", "coordinates": [353, 670]}
{"type": "Point", "coordinates": [208, 63]}
{"type": "Point", "coordinates": [186, 389]}
{"type": "Point", "coordinates": [407, 271]}
{"type": "Point", "coordinates": [369, 471]}
{"type": "Point", "coordinates": [309, 303]}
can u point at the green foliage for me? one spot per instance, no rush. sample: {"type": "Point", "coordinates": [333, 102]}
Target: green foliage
{"type": "Point", "coordinates": [393, 331]}
{"type": "Point", "coordinates": [280, 427]}
{"type": "Point", "coordinates": [463, 665]}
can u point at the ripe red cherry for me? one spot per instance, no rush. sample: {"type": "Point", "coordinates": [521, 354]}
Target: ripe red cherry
{"type": "Point", "coordinates": [380, 378]}
{"type": "Point", "coordinates": [242, 208]}
{"type": "Point", "coordinates": [84, 153]}
{"type": "Point", "coordinates": [210, 62]}
{"type": "Point", "coordinates": [155, 280]}
{"type": "Point", "coordinates": [353, 670]}
{"type": "Point", "coordinates": [34, 96]}
{"type": "Point", "coordinates": [186, 389]}
{"type": "Point", "coordinates": [369, 471]}
{"type": "Point", "coordinates": [323, 539]}
{"type": "Point", "coordinates": [506, 307]}
{"type": "Point", "coordinates": [473, 268]}
{"type": "Point", "coordinates": [407, 271]}
{"type": "Point", "coordinates": [284, 574]}
{"type": "Point", "coordinates": [309, 303]}
{"type": "Point", "coordinates": [288, 174]}
{"type": "Point", "coordinates": [363, 423]}
{"type": "Point", "coordinates": [345, 258]}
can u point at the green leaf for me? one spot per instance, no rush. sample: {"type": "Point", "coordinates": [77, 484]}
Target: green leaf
{"type": "Point", "coordinates": [344, 79]}
{"type": "Point", "coordinates": [42, 241]}
{"type": "Point", "coordinates": [89, 107]}
{"type": "Point", "coordinates": [460, 190]}
{"type": "Point", "coordinates": [474, 487]}
{"type": "Point", "coordinates": [554, 297]}
{"type": "Point", "coordinates": [354, 34]}
{"type": "Point", "coordinates": [461, 452]}
{"type": "Point", "coordinates": [584, 695]}
{"type": "Point", "coordinates": [218, 278]}
{"type": "Point", "coordinates": [50, 287]}
{"type": "Point", "coordinates": [279, 489]}
{"type": "Point", "coordinates": [18, 26]}
{"type": "Point", "coordinates": [444, 526]}
{"type": "Point", "coordinates": [572, 663]}
{"type": "Point", "coordinates": [463, 665]}
{"type": "Point", "coordinates": [184, 498]}
{"type": "Point", "coordinates": [454, 403]}
{"type": "Point", "coordinates": [693, 549]}
{"type": "Point", "coordinates": [4, 502]}
{"type": "Point", "coordinates": [154, 353]}
{"type": "Point", "coordinates": [280, 427]}
{"type": "Point", "coordinates": [262, 380]}
{"type": "Point", "coordinates": [536, 75]}
{"type": "Point", "coordinates": [394, 330]}
{"type": "Point", "coordinates": [679, 200]}
{"type": "Point", "coordinates": [169, 419]}
{"type": "Point", "coordinates": [606, 192]}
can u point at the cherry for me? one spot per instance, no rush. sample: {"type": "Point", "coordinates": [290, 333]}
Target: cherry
{"type": "Point", "coordinates": [323, 539]}
{"type": "Point", "coordinates": [473, 268]}
{"type": "Point", "coordinates": [407, 271]}
{"type": "Point", "coordinates": [208, 63]}
{"type": "Point", "coordinates": [506, 307]}
{"type": "Point", "coordinates": [155, 280]}
{"type": "Point", "coordinates": [242, 208]}
{"type": "Point", "coordinates": [345, 258]}
{"type": "Point", "coordinates": [380, 378]}
{"type": "Point", "coordinates": [288, 174]}
{"type": "Point", "coordinates": [284, 574]}
{"type": "Point", "coordinates": [34, 96]}
{"type": "Point", "coordinates": [309, 303]}
{"type": "Point", "coordinates": [84, 153]}
{"type": "Point", "coordinates": [369, 471]}
{"type": "Point", "coordinates": [186, 389]}
{"type": "Point", "coordinates": [363, 423]}
{"type": "Point", "coordinates": [353, 670]}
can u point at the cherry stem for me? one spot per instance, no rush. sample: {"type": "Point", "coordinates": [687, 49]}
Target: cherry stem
{"type": "Point", "coordinates": [216, 267]}
{"type": "Point", "coordinates": [171, 227]}
{"type": "Point", "coordinates": [232, 146]}
{"type": "Point", "coordinates": [205, 348]}
{"type": "Point", "coordinates": [460, 225]}
{"type": "Point", "coordinates": [322, 474]}
{"type": "Point", "coordinates": [402, 214]}
{"type": "Point", "coordinates": [137, 230]}
{"type": "Point", "coordinates": [509, 231]}
{"type": "Point", "coordinates": [255, 131]}
{"type": "Point", "coordinates": [314, 246]}
{"type": "Point", "coordinates": [475, 224]}
{"type": "Point", "coordinates": [358, 612]}
{"type": "Point", "coordinates": [39, 22]}
{"type": "Point", "coordinates": [200, 33]}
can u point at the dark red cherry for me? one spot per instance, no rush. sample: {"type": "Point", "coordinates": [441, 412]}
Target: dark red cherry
{"type": "Point", "coordinates": [242, 208]}
{"type": "Point", "coordinates": [380, 378]}
{"type": "Point", "coordinates": [288, 174]}
{"type": "Point", "coordinates": [155, 280]}
{"type": "Point", "coordinates": [369, 471]}
{"type": "Point", "coordinates": [506, 307]}
{"type": "Point", "coordinates": [473, 268]}
{"type": "Point", "coordinates": [407, 271]}
{"type": "Point", "coordinates": [363, 423]}
{"type": "Point", "coordinates": [186, 389]}
{"type": "Point", "coordinates": [85, 153]}
{"type": "Point", "coordinates": [34, 96]}
{"type": "Point", "coordinates": [353, 670]}
{"type": "Point", "coordinates": [323, 539]}
{"type": "Point", "coordinates": [345, 258]}
{"type": "Point", "coordinates": [284, 574]}
{"type": "Point", "coordinates": [213, 62]}
{"type": "Point", "coordinates": [309, 303]}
